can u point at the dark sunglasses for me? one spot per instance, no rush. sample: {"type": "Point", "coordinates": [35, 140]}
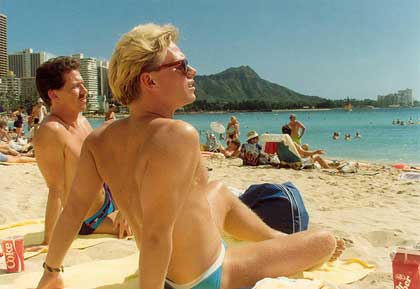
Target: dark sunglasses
{"type": "Point", "coordinates": [181, 65]}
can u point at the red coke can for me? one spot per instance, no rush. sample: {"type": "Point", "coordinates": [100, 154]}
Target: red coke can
{"type": "Point", "coordinates": [13, 253]}
{"type": "Point", "coordinates": [406, 268]}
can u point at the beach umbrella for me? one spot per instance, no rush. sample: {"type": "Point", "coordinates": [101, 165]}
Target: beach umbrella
{"type": "Point", "coordinates": [217, 127]}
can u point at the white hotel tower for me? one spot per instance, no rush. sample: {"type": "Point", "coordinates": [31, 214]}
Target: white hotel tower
{"type": "Point", "coordinates": [89, 73]}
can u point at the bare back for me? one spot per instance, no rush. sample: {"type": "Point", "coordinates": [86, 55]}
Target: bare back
{"type": "Point", "coordinates": [58, 148]}
{"type": "Point", "coordinates": [123, 152]}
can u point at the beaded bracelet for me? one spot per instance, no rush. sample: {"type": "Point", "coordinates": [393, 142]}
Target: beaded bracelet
{"type": "Point", "coordinates": [60, 269]}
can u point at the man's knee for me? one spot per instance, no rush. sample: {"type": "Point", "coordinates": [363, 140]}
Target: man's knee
{"type": "Point", "coordinates": [324, 241]}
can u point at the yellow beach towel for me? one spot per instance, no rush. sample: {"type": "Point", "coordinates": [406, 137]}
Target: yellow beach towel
{"type": "Point", "coordinates": [33, 233]}
{"type": "Point", "coordinates": [120, 271]}
{"type": "Point", "coordinates": [109, 274]}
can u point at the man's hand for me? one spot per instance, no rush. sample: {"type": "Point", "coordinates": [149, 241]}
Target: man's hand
{"type": "Point", "coordinates": [121, 224]}
{"type": "Point", "coordinates": [51, 280]}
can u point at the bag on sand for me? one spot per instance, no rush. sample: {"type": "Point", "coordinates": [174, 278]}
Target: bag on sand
{"type": "Point", "coordinates": [279, 205]}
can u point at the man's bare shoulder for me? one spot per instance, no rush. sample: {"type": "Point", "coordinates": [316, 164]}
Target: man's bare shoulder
{"type": "Point", "coordinates": [106, 128]}
{"type": "Point", "coordinates": [51, 129]}
{"type": "Point", "coordinates": [170, 131]}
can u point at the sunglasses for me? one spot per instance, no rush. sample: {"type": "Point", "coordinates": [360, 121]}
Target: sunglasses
{"type": "Point", "coordinates": [181, 65]}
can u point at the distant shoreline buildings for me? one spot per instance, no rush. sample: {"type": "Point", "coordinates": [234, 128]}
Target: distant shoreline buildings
{"type": "Point", "coordinates": [18, 72]}
{"type": "Point", "coordinates": [400, 98]}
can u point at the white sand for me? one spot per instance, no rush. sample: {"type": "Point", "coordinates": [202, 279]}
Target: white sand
{"type": "Point", "coordinates": [373, 213]}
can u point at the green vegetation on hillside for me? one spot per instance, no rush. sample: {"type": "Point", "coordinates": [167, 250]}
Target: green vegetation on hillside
{"type": "Point", "coordinates": [241, 88]}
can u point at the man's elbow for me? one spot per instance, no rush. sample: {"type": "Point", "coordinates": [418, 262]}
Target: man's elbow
{"type": "Point", "coordinates": [156, 234]}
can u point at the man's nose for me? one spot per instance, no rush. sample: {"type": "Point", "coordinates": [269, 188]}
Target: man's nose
{"type": "Point", "coordinates": [84, 89]}
{"type": "Point", "coordinates": [191, 71]}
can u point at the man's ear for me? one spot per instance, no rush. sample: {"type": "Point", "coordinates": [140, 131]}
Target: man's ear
{"type": "Point", "coordinates": [52, 95]}
{"type": "Point", "coordinates": [147, 81]}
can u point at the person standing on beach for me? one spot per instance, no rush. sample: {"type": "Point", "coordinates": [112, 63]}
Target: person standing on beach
{"type": "Point", "coordinates": [161, 185]}
{"type": "Point", "coordinates": [297, 128]}
{"type": "Point", "coordinates": [232, 129]}
{"type": "Point", "coordinates": [19, 116]}
{"type": "Point", "coordinates": [39, 111]}
{"type": "Point", "coordinates": [58, 142]}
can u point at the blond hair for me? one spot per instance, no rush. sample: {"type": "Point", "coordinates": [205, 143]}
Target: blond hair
{"type": "Point", "coordinates": [137, 49]}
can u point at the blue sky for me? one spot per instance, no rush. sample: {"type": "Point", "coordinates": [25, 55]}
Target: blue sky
{"type": "Point", "coordinates": [330, 48]}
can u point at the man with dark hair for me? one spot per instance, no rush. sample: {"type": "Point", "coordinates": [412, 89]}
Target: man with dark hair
{"type": "Point", "coordinates": [58, 143]}
{"type": "Point", "coordinates": [50, 75]}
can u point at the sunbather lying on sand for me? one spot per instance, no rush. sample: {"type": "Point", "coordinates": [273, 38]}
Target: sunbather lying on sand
{"type": "Point", "coordinates": [311, 156]}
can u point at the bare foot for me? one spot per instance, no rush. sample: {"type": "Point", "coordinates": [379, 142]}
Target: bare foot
{"type": "Point", "coordinates": [341, 246]}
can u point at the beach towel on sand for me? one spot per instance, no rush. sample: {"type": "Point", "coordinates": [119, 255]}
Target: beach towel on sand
{"type": "Point", "coordinates": [121, 273]}
{"type": "Point", "coordinates": [33, 233]}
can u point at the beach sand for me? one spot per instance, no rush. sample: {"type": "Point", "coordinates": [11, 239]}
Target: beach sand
{"type": "Point", "coordinates": [373, 213]}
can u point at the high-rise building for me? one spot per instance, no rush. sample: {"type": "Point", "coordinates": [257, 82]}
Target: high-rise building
{"type": "Point", "coordinates": [89, 73]}
{"type": "Point", "coordinates": [13, 86]}
{"type": "Point", "coordinates": [104, 91]}
{"type": "Point", "coordinates": [24, 63]}
{"type": "Point", "coordinates": [103, 85]}
{"type": "Point", "coordinates": [402, 97]}
{"type": "Point", "coordinates": [29, 93]}
{"type": "Point", "coordinates": [4, 66]}
{"type": "Point", "coordinates": [37, 59]}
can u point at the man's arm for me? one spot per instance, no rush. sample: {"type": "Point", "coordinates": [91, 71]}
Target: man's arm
{"type": "Point", "coordinates": [302, 129]}
{"type": "Point", "coordinates": [49, 148]}
{"type": "Point", "coordinates": [303, 153]}
{"type": "Point", "coordinates": [86, 185]}
{"type": "Point", "coordinates": [166, 182]}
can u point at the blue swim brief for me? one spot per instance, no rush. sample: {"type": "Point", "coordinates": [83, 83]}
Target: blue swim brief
{"type": "Point", "coordinates": [211, 279]}
{"type": "Point", "coordinates": [92, 223]}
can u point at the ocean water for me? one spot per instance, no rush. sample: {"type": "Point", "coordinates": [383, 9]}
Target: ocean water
{"type": "Point", "coordinates": [381, 142]}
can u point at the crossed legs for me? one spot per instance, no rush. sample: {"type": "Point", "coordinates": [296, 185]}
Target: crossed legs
{"type": "Point", "coordinates": [273, 254]}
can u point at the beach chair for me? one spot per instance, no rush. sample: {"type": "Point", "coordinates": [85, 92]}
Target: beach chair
{"type": "Point", "coordinates": [286, 150]}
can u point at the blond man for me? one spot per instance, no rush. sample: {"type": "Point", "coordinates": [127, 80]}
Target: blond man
{"type": "Point", "coordinates": [177, 215]}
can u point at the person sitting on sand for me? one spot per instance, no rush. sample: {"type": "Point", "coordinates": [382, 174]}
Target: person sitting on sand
{"type": "Point", "coordinates": [4, 132]}
{"type": "Point", "coordinates": [110, 114]}
{"type": "Point", "coordinates": [58, 142]}
{"type": "Point", "coordinates": [252, 153]}
{"type": "Point", "coordinates": [308, 157]}
{"type": "Point", "coordinates": [19, 116]}
{"type": "Point", "coordinates": [233, 149]}
{"type": "Point", "coordinates": [176, 213]}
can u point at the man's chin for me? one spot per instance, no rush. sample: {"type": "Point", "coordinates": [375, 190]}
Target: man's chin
{"type": "Point", "coordinates": [192, 98]}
